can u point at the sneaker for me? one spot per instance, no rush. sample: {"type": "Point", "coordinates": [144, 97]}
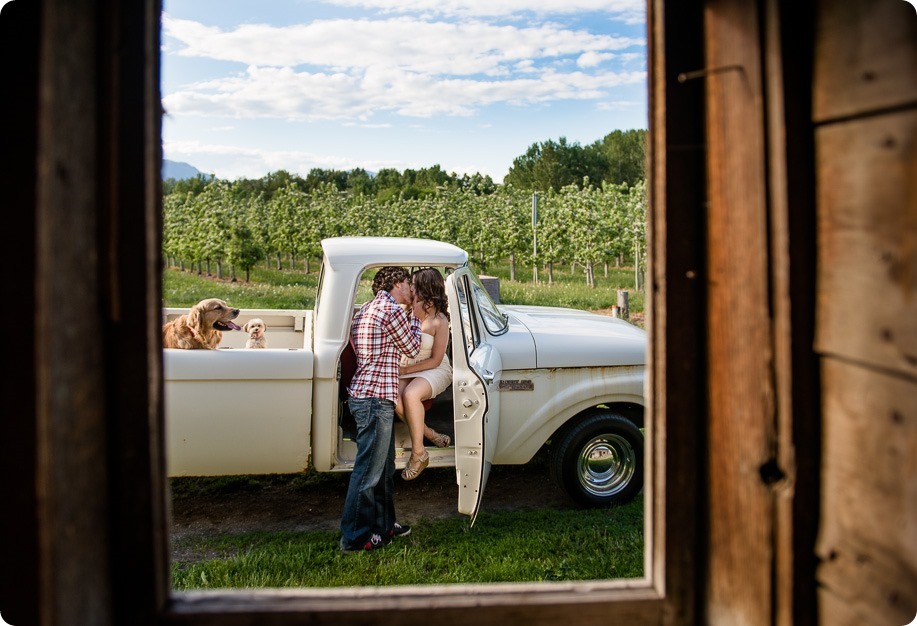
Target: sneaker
{"type": "Point", "coordinates": [399, 530]}
{"type": "Point", "coordinates": [375, 542]}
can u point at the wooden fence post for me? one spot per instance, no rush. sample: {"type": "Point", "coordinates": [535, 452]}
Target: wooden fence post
{"type": "Point", "coordinates": [623, 310]}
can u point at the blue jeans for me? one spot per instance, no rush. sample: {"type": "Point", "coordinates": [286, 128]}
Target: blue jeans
{"type": "Point", "coordinates": [369, 507]}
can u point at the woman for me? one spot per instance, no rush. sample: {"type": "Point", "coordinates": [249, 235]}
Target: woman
{"type": "Point", "coordinates": [429, 373]}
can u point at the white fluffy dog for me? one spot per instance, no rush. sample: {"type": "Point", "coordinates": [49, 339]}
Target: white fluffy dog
{"type": "Point", "coordinates": [255, 329]}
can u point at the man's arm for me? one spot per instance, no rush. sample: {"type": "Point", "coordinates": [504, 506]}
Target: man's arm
{"type": "Point", "coordinates": [404, 332]}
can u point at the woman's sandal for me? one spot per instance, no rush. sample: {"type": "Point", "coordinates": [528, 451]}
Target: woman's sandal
{"type": "Point", "coordinates": [413, 470]}
{"type": "Point", "coordinates": [440, 440]}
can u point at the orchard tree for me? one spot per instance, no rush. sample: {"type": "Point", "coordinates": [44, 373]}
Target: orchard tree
{"type": "Point", "coordinates": [286, 214]}
{"type": "Point", "coordinates": [636, 203]}
{"type": "Point", "coordinates": [590, 233]}
{"type": "Point", "coordinates": [215, 207]}
{"type": "Point", "coordinates": [553, 231]}
{"type": "Point", "coordinates": [511, 210]}
{"type": "Point", "coordinates": [243, 250]}
{"type": "Point", "coordinates": [441, 220]}
{"type": "Point", "coordinates": [176, 224]}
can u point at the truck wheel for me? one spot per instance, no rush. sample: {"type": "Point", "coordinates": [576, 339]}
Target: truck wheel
{"type": "Point", "coordinates": [599, 461]}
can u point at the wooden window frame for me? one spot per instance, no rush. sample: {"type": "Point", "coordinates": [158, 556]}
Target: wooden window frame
{"type": "Point", "coordinates": [674, 495]}
{"type": "Point", "coordinates": [666, 594]}
{"type": "Point", "coordinates": [99, 451]}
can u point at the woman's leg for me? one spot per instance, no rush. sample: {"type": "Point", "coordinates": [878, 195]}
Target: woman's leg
{"type": "Point", "coordinates": [399, 405]}
{"type": "Point", "coordinates": [412, 396]}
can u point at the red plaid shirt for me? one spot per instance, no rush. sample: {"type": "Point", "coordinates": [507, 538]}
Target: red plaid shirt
{"type": "Point", "coordinates": [381, 333]}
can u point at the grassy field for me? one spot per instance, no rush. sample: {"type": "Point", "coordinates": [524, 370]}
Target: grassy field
{"type": "Point", "coordinates": [541, 545]}
{"type": "Point", "coordinates": [267, 289]}
{"type": "Point", "coordinates": [523, 546]}
{"type": "Point", "coordinates": [294, 289]}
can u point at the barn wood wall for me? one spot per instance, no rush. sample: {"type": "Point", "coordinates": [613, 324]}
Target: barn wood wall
{"type": "Point", "coordinates": [864, 95]}
{"type": "Point", "coordinates": [865, 118]}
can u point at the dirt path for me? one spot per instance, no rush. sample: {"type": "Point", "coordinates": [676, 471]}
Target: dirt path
{"type": "Point", "coordinates": [287, 505]}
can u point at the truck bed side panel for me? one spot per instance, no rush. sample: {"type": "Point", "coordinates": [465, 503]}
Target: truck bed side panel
{"type": "Point", "coordinates": [237, 411]}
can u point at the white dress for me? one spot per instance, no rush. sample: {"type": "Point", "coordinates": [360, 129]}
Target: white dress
{"type": "Point", "coordinates": [440, 376]}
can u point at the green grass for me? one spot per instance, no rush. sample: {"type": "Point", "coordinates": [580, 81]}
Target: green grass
{"type": "Point", "coordinates": [574, 296]}
{"type": "Point", "coordinates": [267, 289]}
{"type": "Point", "coordinates": [294, 289]}
{"type": "Point", "coordinates": [521, 546]}
{"type": "Point", "coordinates": [567, 289]}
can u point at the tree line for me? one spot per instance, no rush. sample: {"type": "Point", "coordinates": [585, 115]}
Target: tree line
{"type": "Point", "coordinates": [619, 158]}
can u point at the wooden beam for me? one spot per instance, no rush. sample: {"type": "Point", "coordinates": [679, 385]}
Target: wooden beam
{"type": "Point", "coordinates": [676, 306]}
{"type": "Point", "coordinates": [72, 485]}
{"type": "Point", "coordinates": [791, 174]}
{"type": "Point", "coordinates": [740, 384]}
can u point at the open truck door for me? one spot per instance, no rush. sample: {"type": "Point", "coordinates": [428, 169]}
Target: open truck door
{"type": "Point", "coordinates": [476, 370]}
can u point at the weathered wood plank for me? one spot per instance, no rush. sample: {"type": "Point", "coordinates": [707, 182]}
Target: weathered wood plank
{"type": "Point", "coordinates": [789, 50]}
{"type": "Point", "coordinates": [73, 509]}
{"type": "Point", "coordinates": [834, 611]}
{"type": "Point", "coordinates": [132, 246]}
{"type": "Point", "coordinates": [740, 385]}
{"type": "Point", "coordinates": [675, 302]}
{"type": "Point", "coordinates": [867, 241]}
{"type": "Point", "coordinates": [868, 540]}
{"type": "Point", "coordinates": [864, 59]}
{"type": "Point", "coordinates": [370, 607]}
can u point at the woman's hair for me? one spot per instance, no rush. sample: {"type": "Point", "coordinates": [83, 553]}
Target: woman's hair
{"type": "Point", "coordinates": [387, 277]}
{"type": "Point", "coordinates": [430, 287]}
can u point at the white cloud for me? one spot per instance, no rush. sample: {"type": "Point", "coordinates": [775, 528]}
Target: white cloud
{"type": "Point", "coordinates": [415, 45]}
{"type": "Point", "coordinates": [620, 105]}
{"type": "Point", "coordinates": [592, 59]}
{"type": "Point", "coordinates": [627, 11]}
{"type": "Point", "coordinates": [401, 65]}
{"type": "Point", "coordinates": [367, 125]}
{"type": "Point", "coordinates": [300, 96]}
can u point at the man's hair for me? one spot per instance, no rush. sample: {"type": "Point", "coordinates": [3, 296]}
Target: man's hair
{"type": "Point", "coordinates": [387, 277]}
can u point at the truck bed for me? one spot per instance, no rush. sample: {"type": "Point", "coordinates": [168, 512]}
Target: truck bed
{"type": "Point", "coordinates": [286, 328]}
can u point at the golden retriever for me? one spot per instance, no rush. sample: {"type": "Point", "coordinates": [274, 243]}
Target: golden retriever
{"type": "Point", "coordinates": [255, 328]}
{"type": "Point", "coordinates": [201, 328]}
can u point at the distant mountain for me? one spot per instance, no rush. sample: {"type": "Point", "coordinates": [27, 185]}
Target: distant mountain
{"type": "Point", "coordinates": [178, 170]}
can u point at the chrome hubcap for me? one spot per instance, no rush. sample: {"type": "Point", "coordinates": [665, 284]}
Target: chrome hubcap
{"type": "Point", "coordinates": [606, 465]}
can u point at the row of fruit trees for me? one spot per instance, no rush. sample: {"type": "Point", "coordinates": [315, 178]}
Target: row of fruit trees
{"type": "Point", "coordinates": [221, 226]}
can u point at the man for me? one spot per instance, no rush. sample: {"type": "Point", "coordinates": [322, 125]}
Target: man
{"type": "Point", "coordinates": [382, 331]}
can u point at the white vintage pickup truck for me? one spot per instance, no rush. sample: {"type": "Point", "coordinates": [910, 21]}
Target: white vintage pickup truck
{"type": "Point", "coordinates": [523, 377]}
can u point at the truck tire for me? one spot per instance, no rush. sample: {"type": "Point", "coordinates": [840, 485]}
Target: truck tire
{"type": "Point", "coordinates": [599, 460]}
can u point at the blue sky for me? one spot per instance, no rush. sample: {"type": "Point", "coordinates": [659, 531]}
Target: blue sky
{"type": "Point", "coordinates": [254, 87]}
